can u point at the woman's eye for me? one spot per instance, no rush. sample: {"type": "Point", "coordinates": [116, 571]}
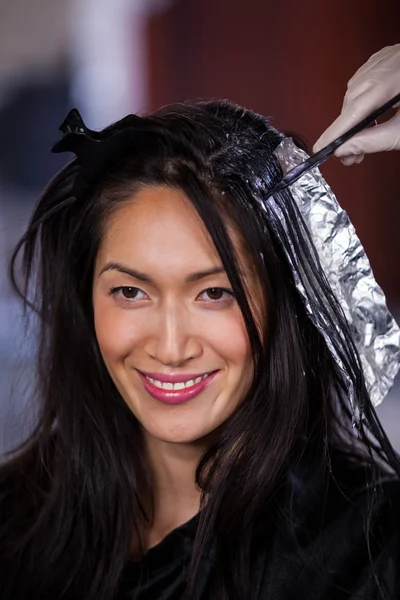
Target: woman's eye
{"type": "Point", "coordinates": [216, 294]}
{"type": "Point", "coordinates": [127, 292]}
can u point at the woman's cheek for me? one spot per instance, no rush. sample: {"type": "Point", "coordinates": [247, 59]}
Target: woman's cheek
{"type": "Point", "coordinates": [116, 331]}
{"type": "Point", "coordinates": [226, 331]}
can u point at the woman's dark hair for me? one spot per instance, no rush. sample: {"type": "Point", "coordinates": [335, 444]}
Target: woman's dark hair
{"type": "Point", "coordinates": [73, 492]}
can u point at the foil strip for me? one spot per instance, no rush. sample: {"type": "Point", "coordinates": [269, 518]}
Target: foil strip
{"type": "Point", "coordinates": [347, 268]}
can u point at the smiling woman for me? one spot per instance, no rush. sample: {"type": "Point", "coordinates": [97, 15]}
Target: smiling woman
{"type": "Point", "coordinates": [179, 336]}
{"type": "Point", "coordinates": [196, 431]}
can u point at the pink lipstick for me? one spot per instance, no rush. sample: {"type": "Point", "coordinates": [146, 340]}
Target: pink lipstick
{"type": "Point", "coordinates": [176, 388]}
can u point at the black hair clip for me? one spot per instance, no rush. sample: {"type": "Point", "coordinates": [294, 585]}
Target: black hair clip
{"type": "Point", "coordinates": [95, 150]}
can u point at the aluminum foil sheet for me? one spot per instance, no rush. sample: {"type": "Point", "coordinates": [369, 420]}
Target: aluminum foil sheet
{"type": "Point", "coordinates": [347, 268]}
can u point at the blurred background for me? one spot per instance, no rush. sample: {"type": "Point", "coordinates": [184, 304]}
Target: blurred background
{"type": "Point", "coordinates": [288, 60]}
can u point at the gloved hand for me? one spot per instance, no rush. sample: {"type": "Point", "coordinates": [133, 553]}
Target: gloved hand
{"type": "Point", "coordinates": [374, 83]}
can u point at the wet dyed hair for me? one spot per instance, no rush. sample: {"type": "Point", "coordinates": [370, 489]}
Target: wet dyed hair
{"type": "Point", "coordinates": [73, 490]}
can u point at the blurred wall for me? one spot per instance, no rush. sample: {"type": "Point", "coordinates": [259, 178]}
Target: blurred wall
{"type": "Point", "coordinates": [290, 60]}
{"type": "Point", "coordinates": [33, 37]}
{"type": "Point", "coordinates": [34, 40]}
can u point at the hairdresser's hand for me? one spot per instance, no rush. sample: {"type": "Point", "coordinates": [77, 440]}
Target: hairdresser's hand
{"type": "Point", "coordinates": [375, 83]}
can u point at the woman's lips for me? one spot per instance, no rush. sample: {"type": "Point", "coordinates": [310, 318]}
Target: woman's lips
{"type": "Point", "coordinates": [176, 396]}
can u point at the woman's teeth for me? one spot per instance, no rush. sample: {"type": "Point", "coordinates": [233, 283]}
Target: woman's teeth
{"type": "Point", "coordinates": [176, 386]}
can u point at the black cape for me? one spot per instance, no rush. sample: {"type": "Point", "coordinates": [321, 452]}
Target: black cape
{"type": "Point", "coordinates": [322, 553]}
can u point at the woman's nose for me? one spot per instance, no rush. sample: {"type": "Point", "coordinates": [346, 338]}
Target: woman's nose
{"type": "Point", "coordinates": [174, 341]}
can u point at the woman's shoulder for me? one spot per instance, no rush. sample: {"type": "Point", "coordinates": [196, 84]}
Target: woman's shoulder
{"type": "Point", "coordinates": [371, 489]}
{"type": "Point", "coordinates": [341, 535]}
{"type": "Point", "coordinates": [336, 535]}
{"type": "Point", "coordinates": [347, 490]}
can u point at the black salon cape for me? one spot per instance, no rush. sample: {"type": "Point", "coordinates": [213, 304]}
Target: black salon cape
{"type": "Point", "coordinates": [323, 555]}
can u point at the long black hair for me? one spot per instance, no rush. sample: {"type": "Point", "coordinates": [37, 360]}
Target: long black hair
{"type": "Point", "coordinates": [72, 492]}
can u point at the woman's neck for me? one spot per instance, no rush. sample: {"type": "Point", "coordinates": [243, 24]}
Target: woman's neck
{"type": "Point", "coordinates": [176, 498]}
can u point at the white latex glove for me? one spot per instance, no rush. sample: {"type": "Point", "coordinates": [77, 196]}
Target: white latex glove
{"type": "Point", "coordinates": [374, 83]}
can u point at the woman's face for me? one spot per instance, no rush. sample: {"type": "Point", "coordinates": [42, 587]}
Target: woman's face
{"type": "Point", "coordinates": [169, 329]}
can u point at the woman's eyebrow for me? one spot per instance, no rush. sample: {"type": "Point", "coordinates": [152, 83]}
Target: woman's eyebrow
{"type": "Point", "coordinates": [113, 266]}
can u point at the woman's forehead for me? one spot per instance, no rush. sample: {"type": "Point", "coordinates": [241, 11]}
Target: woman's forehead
{"type": "Point", "coordinates": [159, 226]}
